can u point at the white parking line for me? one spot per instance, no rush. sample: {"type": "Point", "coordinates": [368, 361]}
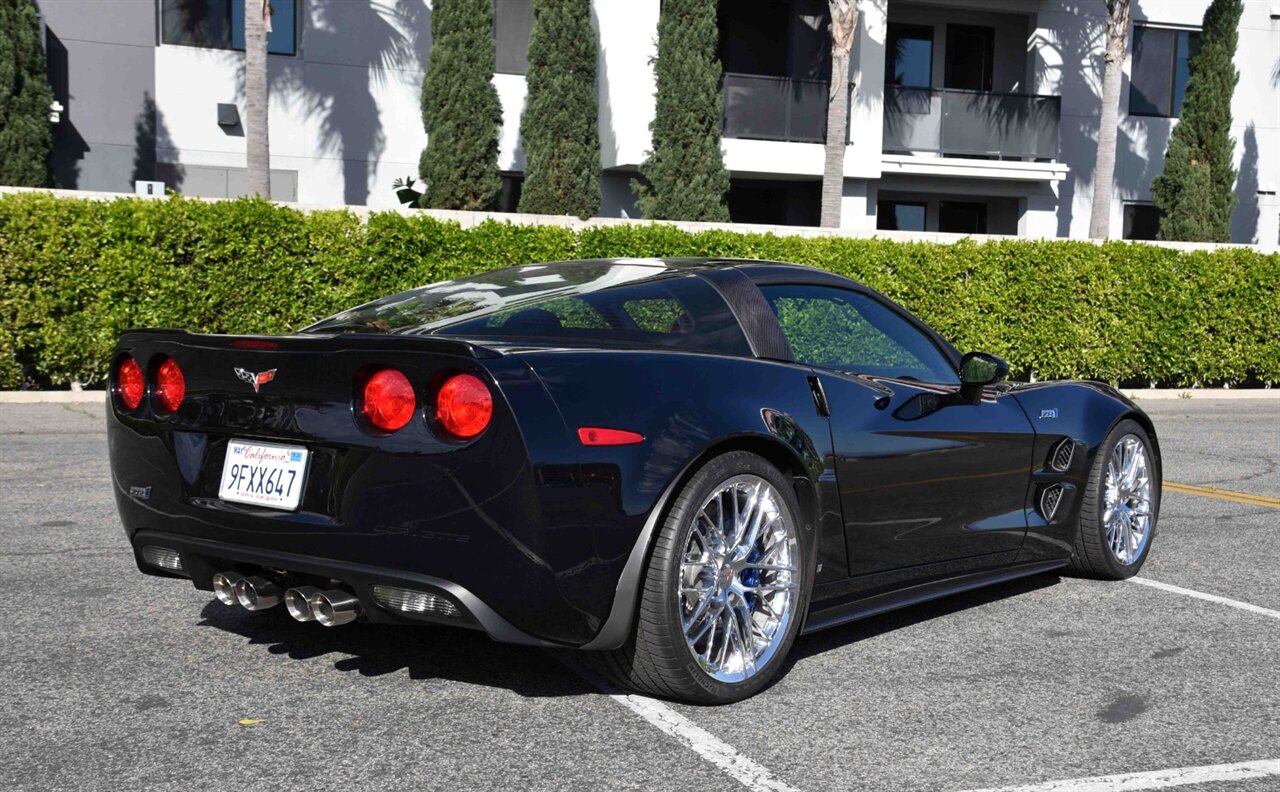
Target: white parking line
{"type": "Point", "coordinates": [1155, 779]}
{"type": "Point", "coordinates": [1245, 606]}
{"type": "Point", "coordinates": [744, 770]}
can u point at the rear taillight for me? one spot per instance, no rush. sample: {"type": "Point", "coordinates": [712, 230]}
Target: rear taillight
{"type": "Point", "coordinates": [388, 401]}
{"type": "Point", "coordinates": [171, 386]}
{"type": "Point", "coordinates": [129, 383]}
{"type": "Point", "coordinates": [464, 406]}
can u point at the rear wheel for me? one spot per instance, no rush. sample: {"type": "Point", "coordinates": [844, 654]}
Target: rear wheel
{"type": "Point", "coordinates": [1119, 508]}
{"type": "Point", "coordinates": [725, 589]}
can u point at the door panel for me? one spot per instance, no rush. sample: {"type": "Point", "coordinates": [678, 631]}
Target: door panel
{"type": "Point", "coordinates": [924, 476]}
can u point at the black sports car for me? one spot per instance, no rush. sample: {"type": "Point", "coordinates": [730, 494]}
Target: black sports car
{"type": "Point", "coordinates": [680, 464]}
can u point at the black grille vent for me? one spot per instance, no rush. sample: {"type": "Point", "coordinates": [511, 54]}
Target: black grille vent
{"type": "Point", "coordinates": [1049, 500]}
{"type": "Point", "coordinates": [1062, 454]}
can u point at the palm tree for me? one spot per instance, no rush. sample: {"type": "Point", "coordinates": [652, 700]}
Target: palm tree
{"type": "Point", "coordinates": [844, 16]}
{"type": "Point", "coordinates": [1104, 168]}
{"type": "Point", "coordinates": [257, 21]}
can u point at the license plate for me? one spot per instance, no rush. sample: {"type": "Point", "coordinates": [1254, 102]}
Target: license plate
{"type": "Point", "coordinates": [263, 474]}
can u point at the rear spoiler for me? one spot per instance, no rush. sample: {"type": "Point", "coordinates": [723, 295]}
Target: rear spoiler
{"type": "Point", "coordinates": [313, 342]}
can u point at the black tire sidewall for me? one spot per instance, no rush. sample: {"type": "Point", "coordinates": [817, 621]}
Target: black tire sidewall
{"type": "Point", "coordinates": [1093, 521]}
{"type": "Point", "coordinates": [695, 493]}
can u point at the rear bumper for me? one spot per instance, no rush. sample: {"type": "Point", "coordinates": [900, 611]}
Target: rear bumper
{"type": "Point", "coordinates": [203, 558]}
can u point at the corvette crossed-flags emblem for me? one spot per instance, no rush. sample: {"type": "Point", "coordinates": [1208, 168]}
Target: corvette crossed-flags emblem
{"type": "Point", "coordinates": [256, 380]}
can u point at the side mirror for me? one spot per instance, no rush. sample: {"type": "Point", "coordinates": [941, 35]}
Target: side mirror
{"type": "Point", "coordinates": [979, 369]}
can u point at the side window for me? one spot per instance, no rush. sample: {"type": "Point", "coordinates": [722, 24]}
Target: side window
{"type": "Point", "coordinates": [838, 329]}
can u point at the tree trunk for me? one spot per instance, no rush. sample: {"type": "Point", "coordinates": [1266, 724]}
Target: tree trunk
{"type": "Point", "coordinates": [257, 146]}
{"type": "Point", "coordinates": [844, 15]}
{"type": "Point", "coordinates": [1104, 169]}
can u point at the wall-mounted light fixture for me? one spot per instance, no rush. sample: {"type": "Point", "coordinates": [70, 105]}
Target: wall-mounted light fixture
{"type": "Point", "coordinates": [228, 115]}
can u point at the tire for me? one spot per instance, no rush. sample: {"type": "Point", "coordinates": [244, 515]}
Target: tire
{"type": "Point", "coordinates": [657, 659]}
{"type": "Point", "coordinates": [1095, 554]}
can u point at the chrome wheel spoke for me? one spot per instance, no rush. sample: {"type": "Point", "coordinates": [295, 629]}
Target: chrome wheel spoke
{"type": "Point", "coordinates": [1127, 496]}
{"type": "Point", "coordinates": [739, 583]}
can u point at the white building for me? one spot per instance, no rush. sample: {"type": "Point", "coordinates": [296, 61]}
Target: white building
{"type": "Point", "coordinates": [966, 115]}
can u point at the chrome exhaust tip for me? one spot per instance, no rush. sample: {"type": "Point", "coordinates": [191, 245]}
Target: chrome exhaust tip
{"type": "Point", "coordinates": [334, 607]}
{"type": "Point", "coordinates": [298, 601]}
{"type": "Point", "coordinates": [224, 587]}
{"type": "Point", "coordinates": [256, 594]}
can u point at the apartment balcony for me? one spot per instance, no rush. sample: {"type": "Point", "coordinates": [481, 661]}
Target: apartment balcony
{"type": "Point", "coordinates": [983, 133]}
{"type": "Point", "coordinates": [766, 107]}
{"type": "Point", "coordinates": [950, 122]}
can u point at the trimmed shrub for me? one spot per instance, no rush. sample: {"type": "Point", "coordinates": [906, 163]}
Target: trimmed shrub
{"type": "Point", "coordinates": [561, 141]}
{"type": "Point", "coordinates": [26, 136]}
{"type": "Point", "coordinates": [684, 177]}
{"type": "Point", "coordinates": [74, 274]}
{"type": "Point", "coordinates": [460, 109]}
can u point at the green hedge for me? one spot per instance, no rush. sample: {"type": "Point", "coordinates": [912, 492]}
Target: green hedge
{"type": "Point", "coordinates": [74, 274]}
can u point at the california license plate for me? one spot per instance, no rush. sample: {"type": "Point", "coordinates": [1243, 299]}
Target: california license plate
{"type": "Point", "coordinates": [263, 474]}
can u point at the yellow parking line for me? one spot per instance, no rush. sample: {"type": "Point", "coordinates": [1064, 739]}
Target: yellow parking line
{"type": "Point", "coordinates": [1221, 494]}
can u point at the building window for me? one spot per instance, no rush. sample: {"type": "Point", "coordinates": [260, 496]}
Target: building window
{"type": "Point", "coordinates": [962, 217]}
{"type": "Point", "coordinates": [775, 202]}
{"type": "Point", "coordinates": [219, 24]}
{"type": "Point", "coordinates": [1161, 65]}
{"type": "Point", "coordinates": [1141, 221]}
{"type": "Point", "coordinates": [970, 53]}
{"type": "Point", "coordinates": [900, 216]}
{"type": "Point", "coordinates": [512, 24]}
{"type": "Point", "coordinates": [909, 56]}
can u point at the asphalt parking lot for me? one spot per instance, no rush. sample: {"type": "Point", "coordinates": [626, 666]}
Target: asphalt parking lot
{"type": "Point", "coordinates": [112, 680]}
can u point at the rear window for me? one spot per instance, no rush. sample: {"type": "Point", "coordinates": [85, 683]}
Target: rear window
{"type": "Point", "coordinates": [617, 303]}
{"type": "Point", "coordinates": [681, 311]}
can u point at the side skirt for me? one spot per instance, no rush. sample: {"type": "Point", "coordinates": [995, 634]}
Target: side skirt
{"type": "Point", "coordinates": [821, 619]}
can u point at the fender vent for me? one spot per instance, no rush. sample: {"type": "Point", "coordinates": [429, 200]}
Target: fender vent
{"type": "Point", "coordinates": [1060, 460]}
{"type": "Point", "coordinates": [1049, 500]}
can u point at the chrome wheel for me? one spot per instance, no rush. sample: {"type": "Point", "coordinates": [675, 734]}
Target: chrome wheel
{"type": "Point", "coordinates": [1126, 513]}
{"type": "Point", "coordinates": [739, 581]}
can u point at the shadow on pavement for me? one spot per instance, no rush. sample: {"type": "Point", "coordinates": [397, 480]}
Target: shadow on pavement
{"type": "Point", "coordinates": [817, 643]}
{"type": "Point", "coordinates": [426, 652]}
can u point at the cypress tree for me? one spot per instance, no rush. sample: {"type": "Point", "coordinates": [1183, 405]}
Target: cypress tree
{"type": "Point", "coordinates": [684, 174]}
{"type": "Point", "coordinates": [561, 142]}
{"type": "Point", "coordinates": [1194, 193]}
{"type": "Point", "coordinates": [26, 136]}
{"type": "Point", "coordinates": [460, 109]}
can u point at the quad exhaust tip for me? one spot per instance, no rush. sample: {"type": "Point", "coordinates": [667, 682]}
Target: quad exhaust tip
{"type": "Point", "coordinates": [334, 607]}
{"type": "Point", "coordinates": [298, 601]}
{"type": "Point", "coordinates": [304, 603]}
{"type": "Point", "coordinates": [255, 593]}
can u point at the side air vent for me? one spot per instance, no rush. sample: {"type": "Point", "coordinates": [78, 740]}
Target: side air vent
{"type": "Point", "coordinates": [1049, 500]}
{"type": "Point", "coordinates": [1060, 459]}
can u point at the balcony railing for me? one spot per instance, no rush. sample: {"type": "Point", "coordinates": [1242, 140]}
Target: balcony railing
{"type": "Point", "coordinates": [952, 122]}
{"type": "Point", "coordinates": [761, 107]}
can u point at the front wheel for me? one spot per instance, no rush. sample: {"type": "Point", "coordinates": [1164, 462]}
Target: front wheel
{"type": "Point", "coordinates": [725, 589]}
{"type": "Point", "coordinates": [1120, 506]}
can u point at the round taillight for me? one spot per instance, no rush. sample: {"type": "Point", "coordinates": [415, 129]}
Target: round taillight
{"type": "Point", "coordinates": [129, 383]}
{"type": "Point", "coordinates": [388, 402]}
{"type": "Point", "coordinates": [464, 406]}
{"type": "Point", "coordinates": [171, 386]}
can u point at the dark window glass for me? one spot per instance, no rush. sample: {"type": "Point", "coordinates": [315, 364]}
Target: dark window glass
{"type": "Point", "coordinates": [962, 217]}
{"type": "Point", "coordinates": [900, 216]}
{"type": "Point", "coordinates": [512, 24]}
{"type": "Point", "coordinates": [775, 202]}
{"type": "Point", "coordinates": [219, 24]}
{"type": "Point", "coordinates": [1161, 66]}
{"type": "Point", "coordinates": [598, 303]}
{"type": "Point", "coordinates": [970, 51]}
{"type": "Point", "coordinates": [909, 56]}
{"type": "Point", "coordinates": [849, 331]}
{"type": "Point", "coordinates": [509, 196]}
{"type": "Point", "coordinates": [1141, 221]}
